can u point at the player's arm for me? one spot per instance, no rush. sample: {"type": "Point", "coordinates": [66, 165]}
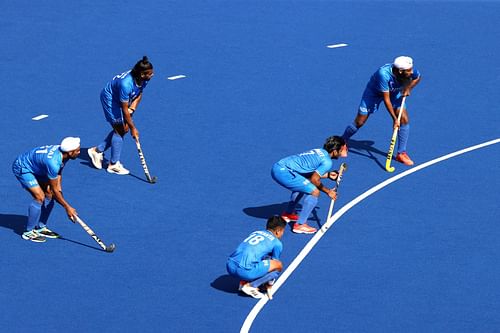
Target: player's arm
{"type": "Point", "coordinates": [413, 83]}
{"type": "Point", "coordinates": [135, 103]}
{"type": "Point", "coordinates": [388, 105]}
{"type": "Point", "coordinates": [128, 120]}
{"type": "Point", "coordinates": [275, 262]}
{"type": "Point", "coordinates": [316, 180]}
{"type": "Point", "coordinates": [56, 188]}
{"type": "Point", "coordinates": [331, 174]}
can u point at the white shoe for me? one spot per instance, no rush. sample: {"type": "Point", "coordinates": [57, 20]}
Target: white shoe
{"type": "Point", "coordinates": [95, 157]}
{"type": "Point", "coordinates": [118, 169]}
{"type": "Point", "coordinates": [251, 291]}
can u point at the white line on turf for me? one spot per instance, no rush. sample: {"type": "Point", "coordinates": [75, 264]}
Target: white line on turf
{"type": "Point", "coordinates": [334, 46]}
{"type": "Point", "coordinates": [176, 77]}
{"type": "Point", "coordinates": [309, 246]}
{"type": "Point", "coordinates": [39, 117]}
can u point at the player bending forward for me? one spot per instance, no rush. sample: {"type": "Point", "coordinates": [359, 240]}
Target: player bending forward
{"type": "Point", "coordinates": [302, 175]}
{"type": "Point", "coordinates": [257, 258]}
{"type": "Point", "coordinates": [40, 173]}
{"type": "Point", "coordinates": [119, 100]}
{"type": "Point", "coordinates": [389, 84]}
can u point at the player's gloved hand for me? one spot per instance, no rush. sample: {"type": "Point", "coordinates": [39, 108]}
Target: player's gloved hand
{"type": "Point", "coordinates": [332, 194]}
{"type": "Point", "coordinates": [333, 175]}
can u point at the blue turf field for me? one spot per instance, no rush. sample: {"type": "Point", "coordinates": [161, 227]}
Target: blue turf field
{"type": "Point", "coordinates": [421, 255]}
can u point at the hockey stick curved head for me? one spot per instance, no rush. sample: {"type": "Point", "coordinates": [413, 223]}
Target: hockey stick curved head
{"type": "Point", "coordinates": [110, 248]}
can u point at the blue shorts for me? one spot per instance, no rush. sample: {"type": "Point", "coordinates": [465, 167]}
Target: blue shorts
{"type": "Point", "coordinates": [248, 274]}
{"type": "Point", "coordinates": [112, 111]}
{"type": "Point", "coordinates": [292, 180]}
{"type": "Point", "coordinates": [27, 179]}
{"type": "Point", "coordinates": [370, 103]}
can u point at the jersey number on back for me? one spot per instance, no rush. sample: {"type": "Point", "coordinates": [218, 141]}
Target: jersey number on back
{"type": "Point", "coordinates": [254, 239]}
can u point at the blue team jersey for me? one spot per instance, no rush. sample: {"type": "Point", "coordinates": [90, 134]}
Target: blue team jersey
{"type": "Point", "coordinates": [255, 248]}
{"type": "Point", "coordinates": [310, 161]}
{"type": "Point", "coordinates": [45, 161]}
{"type": "Point", "coordinates": [383, 80]}
{"type": "Point", "coordinates": [123, 89]}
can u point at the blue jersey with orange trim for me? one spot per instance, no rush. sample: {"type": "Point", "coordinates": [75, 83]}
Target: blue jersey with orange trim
{"type": "Point", "coordinates": [259, 245]}
{"type": "Point", "coordinates": [383, 80]}
{"type": "Point", "coordinates": [122, 88]}
{"type": "Point", "coordinates": [307, 162]}
{"type": "Point", "coordinates": [45, 161]}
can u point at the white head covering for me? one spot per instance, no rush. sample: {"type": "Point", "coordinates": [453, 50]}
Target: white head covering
{"type": "Point", "coordinates": [403, 62]}
{"type": "Point", "coordinates": [69, 144]}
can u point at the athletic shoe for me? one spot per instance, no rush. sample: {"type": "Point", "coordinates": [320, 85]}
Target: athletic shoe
{"type": "Point", "coordinates": [95, 157]}
{"type": "Point", "coordinates": [289, 217]}
{"type": "Point", "coordinates": [404, 158]}
{"type": "Point", "coordinates": [47, 233]}
{"type": "Point", "coordinates": [269, 294]}
{"type": "Point", "coordinates": [118, 169]}
{"type": "Point", "coordinates": [303, 229]}
{"type": "Point", "coordinates": [251, 291]}
{"type": "Point", "coordinates": [33, 236]}
{"type": "Point", "coordinates": [344, 150]}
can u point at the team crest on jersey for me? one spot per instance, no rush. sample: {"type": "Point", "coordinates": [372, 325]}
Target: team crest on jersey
{"type": "Point", "coordinates": [392, 86]}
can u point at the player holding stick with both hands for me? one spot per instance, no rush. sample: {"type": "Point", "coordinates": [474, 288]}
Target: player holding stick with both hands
{"type": "Point", "coordinates": [40, 172]}
{"type": "Point", "coordinates": [119, 100]}
{"type": "Point", "coordinates": [302, 175]}
{"type": "Point", "coordinates": [389, 84]}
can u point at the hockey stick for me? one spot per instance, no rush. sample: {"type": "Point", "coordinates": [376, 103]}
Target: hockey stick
{"type": "Point", "coordinates": [92, 234]}
{"type": "Point", "coordinates": [388, 161]}
{"type": "Point", "coordinates": [150, 179]}
{"type": "Point", "coordinates": [342, 169]}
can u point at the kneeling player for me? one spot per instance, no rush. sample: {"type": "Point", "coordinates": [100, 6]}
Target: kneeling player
{"type": "Point", "coordinates": [257, 258]}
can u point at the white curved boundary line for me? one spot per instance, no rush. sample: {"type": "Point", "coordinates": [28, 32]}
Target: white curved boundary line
{"type": "Point", "coordinates": [309, 246]}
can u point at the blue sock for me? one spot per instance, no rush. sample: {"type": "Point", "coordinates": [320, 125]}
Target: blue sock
{"type": "Point", "coordinates": [103, 146]}
{"type": "Point", "coordinates": [403, 134]}
{"type": "Point", "coordinates": [266, 278]}
{"type": "Point", "coordinates": [349, 131]}
{"type": "Point", "coordinates": [294, 200]}
{"type": "Point", "coordinates": [46, 209]}
{"type": "Point", "coordinates": [116, 147]}
{"type": "Point", "coordinates": [309, 203]}
{"type": "Point", "coordinates": [34, 212]}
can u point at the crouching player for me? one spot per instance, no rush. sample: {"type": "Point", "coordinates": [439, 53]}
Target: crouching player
{"type": "Point", "coordinates": [256, 259]}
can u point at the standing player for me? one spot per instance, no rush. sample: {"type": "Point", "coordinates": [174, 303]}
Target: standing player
{"type": "Point", "coordinates": [257, 258]}
{"type": "Point", "coordinates": [39, 172]}
{"type": "Point", "coordinates": [389, 84]}
{"type": "Point", "coordinates": [120, 98]}
{"type": "Point", "coordinates": [302, 175]}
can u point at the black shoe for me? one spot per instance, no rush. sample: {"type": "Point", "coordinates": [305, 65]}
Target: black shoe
{"type": "Point", "coordinates": [47, 233]}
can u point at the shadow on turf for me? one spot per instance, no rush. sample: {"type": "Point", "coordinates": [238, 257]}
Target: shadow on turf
{"type": "Point", "coordinates": [366, 149]}
{"type": "Point", "coordinates": [226, 283]}
{"type": "Point", "coordinates": [264, 212]}
{"type": "Point", "coordinates": [16, 223]}
{"type": "Point", "coordinates": [82, 244]}
{"type": "Point", "coordinates": [84, 156]}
